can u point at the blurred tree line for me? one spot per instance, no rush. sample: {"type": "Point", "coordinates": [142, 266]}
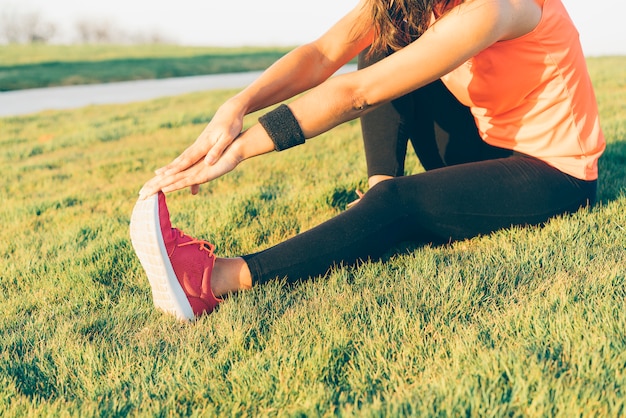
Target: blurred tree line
{"type": "Point", "coordinates": [23, 27]}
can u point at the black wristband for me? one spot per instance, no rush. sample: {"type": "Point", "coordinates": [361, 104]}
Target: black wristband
{"type": "Point", "coordinates": [282, 127]}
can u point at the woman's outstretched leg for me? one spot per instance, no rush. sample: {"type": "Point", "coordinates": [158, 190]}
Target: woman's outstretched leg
{"type": "Point", "coordinates": [438, 206]}
{"type": "Point", "coordinates": [451, 203]}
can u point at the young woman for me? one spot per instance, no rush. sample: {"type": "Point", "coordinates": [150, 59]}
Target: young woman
{"type": "Point", "coordinates": [494, 95]}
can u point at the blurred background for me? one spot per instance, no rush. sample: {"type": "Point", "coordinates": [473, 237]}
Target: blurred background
{"type": "Point", "coordinates": [236, 23]}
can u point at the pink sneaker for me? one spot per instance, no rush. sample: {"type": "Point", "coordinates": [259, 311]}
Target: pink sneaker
{"type": "Point", "coordinates": [178, 266]}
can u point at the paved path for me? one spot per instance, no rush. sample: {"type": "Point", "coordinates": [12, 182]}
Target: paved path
{"type": "Point", "coordinates": [22, 102]}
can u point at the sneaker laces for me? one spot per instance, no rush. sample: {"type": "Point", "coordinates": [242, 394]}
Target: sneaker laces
{"type": "Point", "coordinates": [202, 244]}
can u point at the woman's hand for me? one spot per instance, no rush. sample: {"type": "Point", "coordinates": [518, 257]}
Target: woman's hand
{"type": "Point", "coordinates": [193, 175]}
{"type": "Point", "coordinates": [225, 126]}
{"type": "Point", "coordinates": [249, 143]}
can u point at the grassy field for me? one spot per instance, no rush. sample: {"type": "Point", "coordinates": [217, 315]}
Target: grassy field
{"type": "Point", "coordinates": [31, 66]}
{"type": "Point", "coordinates": [524, 322]}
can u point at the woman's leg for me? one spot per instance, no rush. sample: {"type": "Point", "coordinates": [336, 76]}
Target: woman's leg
{"type": "Point", "coordinates": [384, 136]}
{"type": "Point", "coordinates": [445, 204]}
{"type": "Point", "coordinates": [442, 130]}
{"type": "Point", "coordinates": [433, 108]}
{"type": "Point", "coordinates": [450, 203]}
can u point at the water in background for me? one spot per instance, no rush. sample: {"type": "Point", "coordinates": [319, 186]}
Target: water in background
{"type": "Point", "coordinates": [20, 102]}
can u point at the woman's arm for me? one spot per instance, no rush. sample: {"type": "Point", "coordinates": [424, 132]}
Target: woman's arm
{"type": "Point", "coordinates": [250, 143]}
{"type": "Point", "coordinates": [309, 65]}
{"type": "Point", "coordinates": [456, 37]}
{"type": "Point", "coordinates": [301, 69]}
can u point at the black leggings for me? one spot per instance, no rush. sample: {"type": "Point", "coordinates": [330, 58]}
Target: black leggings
{"type": "Point", "coordinates": [442, 131]}
{"type": "Point", "coordinates": [469, 189]}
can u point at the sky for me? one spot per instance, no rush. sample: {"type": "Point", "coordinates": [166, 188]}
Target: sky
{"type": "Point", "coordinates": [275, 22]}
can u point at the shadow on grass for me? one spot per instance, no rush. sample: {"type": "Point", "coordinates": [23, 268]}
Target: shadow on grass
{"type": "Point", "coordinates": [612, 177]}
{"type": "Point", "coordinates": [33, 375]}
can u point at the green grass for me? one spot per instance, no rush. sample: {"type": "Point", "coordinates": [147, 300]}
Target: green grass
{"type": "Point", "coordinates": [523, 322]}
{"type": "Point", "coordinates": [31, 66]}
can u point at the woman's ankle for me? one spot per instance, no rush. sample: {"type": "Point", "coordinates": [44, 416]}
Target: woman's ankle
{"type": "Point", "coordinates": [377, 178]}
{"type": "Point", "coordinates": [230, 275]}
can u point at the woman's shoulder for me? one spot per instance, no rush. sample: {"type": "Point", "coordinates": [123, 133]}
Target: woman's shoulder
{"type": "Point", "coordinates": [516, 17]}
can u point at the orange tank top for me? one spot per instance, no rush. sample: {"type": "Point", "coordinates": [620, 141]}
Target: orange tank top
{"type": "Point", "coordinates": [533, 94]}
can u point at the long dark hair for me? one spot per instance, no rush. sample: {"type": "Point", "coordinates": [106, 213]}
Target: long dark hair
{"type": "Point", "coordinates": [397, 23]}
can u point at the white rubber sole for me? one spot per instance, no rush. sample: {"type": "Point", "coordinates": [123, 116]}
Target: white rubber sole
{"type": "Point", "coordinates": [147, 240]}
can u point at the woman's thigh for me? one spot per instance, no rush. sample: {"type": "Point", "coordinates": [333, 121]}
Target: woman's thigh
{"type": "Point", "coordinates": [476, 198]}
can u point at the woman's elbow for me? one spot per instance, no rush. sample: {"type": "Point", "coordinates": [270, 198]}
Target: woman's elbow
{"type": "Point", "coordinates": [360, 103]}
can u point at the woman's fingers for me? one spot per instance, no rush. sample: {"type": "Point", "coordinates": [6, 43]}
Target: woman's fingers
{"type": "Point", "coordinates": [182, 167]}
{"type": "Point", "coordinates": [168, 183]}
{"type": "Point", "coordinates": [222, 142]}
{"type": "Point", "coordinates": [189, 157]}
{"type": "Point", "coordinates": [179, 184]}
{"type": "Point", "coordinates": [191, 177]}
{"type": "Point", "coordinates": [205, 155]}
{"type": "Point", "coordinates": [152, 186]}
{"type": "Point", "coordinates": [209, 146]}
{"type": "Point", "coordinates": [215, 153]}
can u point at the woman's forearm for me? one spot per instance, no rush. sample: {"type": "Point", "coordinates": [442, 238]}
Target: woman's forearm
{"type": "Point", "coordinates": [301, 69]}
{"type": "Point", "coordinates": [308, 65]}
